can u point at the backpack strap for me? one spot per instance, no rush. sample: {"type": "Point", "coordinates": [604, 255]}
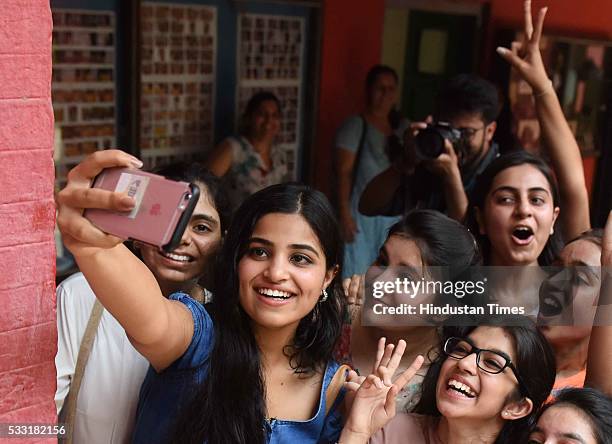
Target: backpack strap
{"type": "Point", "coordinates": [68, 412]}
{"type": "Point", "coordinates": [334, 387]}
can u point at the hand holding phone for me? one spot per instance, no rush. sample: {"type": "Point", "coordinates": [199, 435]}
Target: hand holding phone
{"type": "Point", "coordinates": [161, 213]}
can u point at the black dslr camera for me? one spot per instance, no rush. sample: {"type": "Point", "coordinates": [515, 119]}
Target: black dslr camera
{"type": "Point", "coordinates": [429, 142]}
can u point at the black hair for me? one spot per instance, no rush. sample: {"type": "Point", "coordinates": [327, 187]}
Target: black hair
{"type": "Point", "coordinates": [594, 235]}
{"type": "Point", "coordinates": [483, 186]}
{"type": "Point", "coordinates": [594, 404]}
{"type": "Point", "coordinates": [253, 105]}
{"type": "Point", "coordinates": [229, 406]}
{"type": "Point", "coordinates": [443, 241]}
{"type": "Point", "coordinates": [197, 172]}
{"type": "Point", "coordinates": [535, 362]}
{"type": "Point", "coordinates": [468, 94]}
{"type": "Point", "coordinates": [379, 70]}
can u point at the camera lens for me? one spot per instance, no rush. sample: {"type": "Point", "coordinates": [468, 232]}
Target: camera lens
{"type": "Point", "coordinates": [429, 143]}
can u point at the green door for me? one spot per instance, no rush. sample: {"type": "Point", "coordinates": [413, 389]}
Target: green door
{"type": "Point", "coordinates": [439, 46]}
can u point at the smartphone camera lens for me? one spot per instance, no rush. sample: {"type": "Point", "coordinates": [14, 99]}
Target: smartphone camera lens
{"type": "Point", "coordinates": [186, 198]}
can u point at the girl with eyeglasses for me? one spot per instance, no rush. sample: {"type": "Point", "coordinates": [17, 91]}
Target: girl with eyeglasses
{"type": "Point", "coordinates": [486, 386]}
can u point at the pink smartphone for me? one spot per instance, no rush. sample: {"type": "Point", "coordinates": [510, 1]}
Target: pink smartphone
{"type": "Point", "coordinates": [162, 212]}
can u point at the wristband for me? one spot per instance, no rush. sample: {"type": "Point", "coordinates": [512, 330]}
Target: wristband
{"type": "Point", "coordinates": [546, 90]}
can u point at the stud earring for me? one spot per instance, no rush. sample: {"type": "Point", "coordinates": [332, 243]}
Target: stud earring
{"type": "Point", "coordinates": [323, 296]}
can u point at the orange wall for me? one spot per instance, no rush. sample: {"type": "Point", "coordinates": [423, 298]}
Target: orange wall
{"type": "Point", "coordinates": [352, 36]}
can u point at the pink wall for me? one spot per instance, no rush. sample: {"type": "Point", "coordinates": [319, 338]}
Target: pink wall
{"type": "Point", "coordinates": [352, 36]}
{"type": "Point", "coordinates": [27, 255]}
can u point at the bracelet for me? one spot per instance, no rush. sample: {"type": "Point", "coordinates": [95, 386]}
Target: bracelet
{"type": "Point", "coordinates": [547, 90]}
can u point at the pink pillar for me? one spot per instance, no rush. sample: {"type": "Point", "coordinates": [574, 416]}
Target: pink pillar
{"type": "Point", "coordinates": [27, 214]}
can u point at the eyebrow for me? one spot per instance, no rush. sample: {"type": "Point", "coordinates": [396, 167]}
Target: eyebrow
{"type": "Point", "coordinates": [515, 190]}
{"type": "Point", "coordinates": [417, 272]}
{"type": "Point", "coordinates": [564, 435]}
{"type": "Point", "coordinates": [293, 246]}
{"type": "Point", "coordinates": [208, 218]}
{"type": "Point", "coordinates": [500, 352]}
{"type": "Point", "coordinates": [589, 269]}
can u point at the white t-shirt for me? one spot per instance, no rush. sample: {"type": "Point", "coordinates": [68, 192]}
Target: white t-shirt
{"type": "Point", "coordinates": [106, 406]}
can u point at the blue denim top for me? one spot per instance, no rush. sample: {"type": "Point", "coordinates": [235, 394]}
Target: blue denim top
{"type": "Point", "coordinates": [163, 395]}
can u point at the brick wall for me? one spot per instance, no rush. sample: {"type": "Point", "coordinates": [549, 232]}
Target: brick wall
{"type": "Point", "coordinates": [27, 255]}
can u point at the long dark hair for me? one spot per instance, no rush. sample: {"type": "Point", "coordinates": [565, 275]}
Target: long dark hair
{"type": "Point", "coordinates": [442, 241]}
{"type": "Point", "coordinates": [535, 361]}
{"type": "Point", "coordinates": [444, 244]}
{"type": "Point", "coordinates": [483, 186]}
{"type": "Point", "coordinates": [592, 403]}
{"type": "Point", "coordinates": [230, 404]}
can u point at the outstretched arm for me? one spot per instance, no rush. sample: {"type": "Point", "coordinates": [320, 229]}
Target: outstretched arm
{"type": "Point", "coordinates": [599, 362]}
{"type": "Point", "coordinates": [373, 404]}
{"type": "Point", "coordinates": [160, 329]}
{"type": "Point", "coordinates": [556, 134]}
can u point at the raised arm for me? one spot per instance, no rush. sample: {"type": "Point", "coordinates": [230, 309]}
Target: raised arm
{"type": "Point", "coordinates": [556, 134]}
{"type": "Point", "coordinates": [599, 362]}
{"type": "Point", "coordinates": [220, 159]}
{"type": "Point", "coordinates": [160, 329]}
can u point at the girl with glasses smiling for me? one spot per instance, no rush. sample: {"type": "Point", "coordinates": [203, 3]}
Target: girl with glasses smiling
{"type": "Point", "coordinates": [486, 386]}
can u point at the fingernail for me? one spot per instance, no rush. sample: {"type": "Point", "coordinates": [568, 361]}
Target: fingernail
{"type": "Point", "coordinates": [136, 163]}
{"type": "Point", "coordinates": [501, 50]}
{"type": "Point", "coordinates": [127, 202]}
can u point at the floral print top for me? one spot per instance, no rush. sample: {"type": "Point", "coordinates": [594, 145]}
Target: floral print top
{"type": "Point", "coordinates": [248, 173]}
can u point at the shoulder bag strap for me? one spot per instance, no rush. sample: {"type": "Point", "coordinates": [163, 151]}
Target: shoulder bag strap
{"type": "Point", "coordinates": [335, 386]}
{"type": "Point", "coordinates": [364, 131]}
{"type": "Point", "coordinates": [68, 412]}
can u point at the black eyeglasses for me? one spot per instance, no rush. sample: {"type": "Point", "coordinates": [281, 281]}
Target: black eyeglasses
{"type": "Point", "coordinates": [468, 133]}
{"type": "Point", "coordinates": [489, 361]}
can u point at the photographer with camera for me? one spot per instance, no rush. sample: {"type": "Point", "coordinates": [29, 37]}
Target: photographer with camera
{"type": "Point", "coordinates": [440, 160]}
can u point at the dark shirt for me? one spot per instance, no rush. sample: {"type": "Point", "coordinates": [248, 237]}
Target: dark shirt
{"type": "Point", "coordinates": [423, 189]}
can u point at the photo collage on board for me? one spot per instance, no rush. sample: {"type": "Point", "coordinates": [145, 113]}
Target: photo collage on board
{"type": "Point", "coordinates": [83, 85]}
{"type": "Point", "coordinates": [271, 49]}
{"type": "Point", "coordinates": [177, 77]}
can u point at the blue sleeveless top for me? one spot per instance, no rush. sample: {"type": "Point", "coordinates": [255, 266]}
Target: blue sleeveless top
{"type": "Point", "coordinates": [163, 395]}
